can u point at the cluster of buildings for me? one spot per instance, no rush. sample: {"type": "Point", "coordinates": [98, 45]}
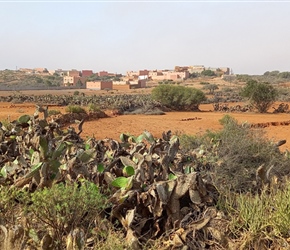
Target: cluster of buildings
{"type": "Point", "coordinates": [132, 79]}
{"type": "Point", "coordinates": [178, 74]}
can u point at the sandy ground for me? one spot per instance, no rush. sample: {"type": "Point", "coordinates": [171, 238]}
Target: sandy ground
{"type": "Point", "coordinates": [183, 122]}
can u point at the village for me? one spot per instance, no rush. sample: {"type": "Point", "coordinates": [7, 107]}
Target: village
{"type": "Point", "coordinates": [104, 80]}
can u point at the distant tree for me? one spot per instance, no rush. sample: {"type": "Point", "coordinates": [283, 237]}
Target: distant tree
{"type": "Point", "coordinates": [39, 80]}
{"type": "Point", "coordinates": [284, 75]}
{"type": "Point", "coordinates": [193, 75]}
{"type": "Point", "coordinates": [79, 83]}
{"type": "Point", "coordinates": [211, 88]}
{"type": "Point", "coordinates": [271, 73]}
{"type": "Point", "coordinates": [244, 78]}
{"type": "Point", "coordinates": [208, 72]}
{"type": "Point", "coordinates": [48, 83]}
{"type": "Point", "coordinates": [260, 94]}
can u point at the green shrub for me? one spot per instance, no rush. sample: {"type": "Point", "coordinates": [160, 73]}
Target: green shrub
{"type": "Point", "coordinates": [208, 72]}
{"type": "Point", "coordinates": [227, 90]}
{"type": "Point", "coordinates": [53, 112]}
{"type": "Point", "coordinates": [76, 92]}
{"type": "Point", "coordinates": [10, 205]}
{"type": "Point", "coordinates": [235, 153]}
{"type": "Point", "coordinates": [6, 123]}
{"type": "Point", "coordinates": [211, 88]}
{"type": "Point", "coordinates": [242, 150]}
{"type": "Point", "coordinates": [64, 207]}
{"type": "Point", "coordinates": [261, 95]}
{"type": "Point", "coordinates": [75, 109]}
{"type": "Point", "coordinates": [178, 97]}
{"type": "Point", "coordinates": [93, 107]}
{"type": "Point", "coordinates": [166, 82]}
{"type": "Point", "coordinates": [256, 220]}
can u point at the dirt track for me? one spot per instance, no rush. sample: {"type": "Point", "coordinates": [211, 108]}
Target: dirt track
{"type": "Point", "coordinates": [185, 122]}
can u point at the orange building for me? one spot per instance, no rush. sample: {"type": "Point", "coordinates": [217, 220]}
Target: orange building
{"type": "Point", "coordinates": [99, 85]}
{"type": "Point", "coordinates": [74, 73]}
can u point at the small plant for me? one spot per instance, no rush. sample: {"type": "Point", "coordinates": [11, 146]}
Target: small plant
{"type": "Point", "coordinates": [65, 207]}
{"type": "Point", "coordinates": [211, 88]}
{"type": "Point", "coordinates": [76, 92]}
{"type": "Point", "coordinates": [258, 219]}
{"type": "Point", "coordinates": [6, 123]}
{"type": "Point", "coordinates": [75, 109]}
{"type": "Point", "coordinates": [10, 206]}
{"type": "Point", "coordinates": [93, 107]}
{"type": "Point", "coordinates": [227, 90]}
{"type": "Point", "coordinates": [53, 112]}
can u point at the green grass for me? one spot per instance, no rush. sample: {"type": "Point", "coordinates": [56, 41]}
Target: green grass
{"type": "Point", "coordinates": [53, 112]}
{"type": "Point", "coordinates": [92, 107]}
{"type": "Point", "coordinates": [75, 109]}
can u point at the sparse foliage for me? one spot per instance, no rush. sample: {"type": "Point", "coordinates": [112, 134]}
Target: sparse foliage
{"type": "Point", "coordinates": [75, 109]}
{"type": "Point", "coordinates": [211, 88]}
{"type": "Point", "coordinates": [261, 95]}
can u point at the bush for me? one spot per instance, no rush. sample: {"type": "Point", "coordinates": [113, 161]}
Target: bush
{"type": "Point", "coordinates": [65, 207]}
{"type": "Point", "coordinates": [178, 97]}
{"type": "Point", "coordinates": [75, 109]}
{"type": "Point", "coordinates": [258, 220]}
{"type": "Point", "coordinates": [285, 75]}
{"type": "Point", "coordinates": [93, 107]}
{"type": "Point", "coordinates": [9, 204]}
{"type": "Point", "coordinates": [208, 72]}
{"type": "Point", "coordinates": [53, 112]}
{"type": "Point", "coordinates": [234, 154]}
{"type": "Point", "coordinates": [211, 88]}
{"type": "Point", "coordinates": [166, 82]}
{"type": "Point", "coordinates": [193, 75]}
{"type": "Point", "coordinates": [242, 150]}
{"type": "Point", "coordinates": [261, 95]}
{"type": "Point", "coordinates": [76, 92]}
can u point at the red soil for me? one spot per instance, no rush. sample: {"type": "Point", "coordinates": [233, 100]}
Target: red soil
{"type": "Point", "coordinates": [184, 122]}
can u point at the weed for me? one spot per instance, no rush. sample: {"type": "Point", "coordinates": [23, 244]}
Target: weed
{"type": "Point", "coordinates": [53, 112]}
{"type": "Point", "coordinates": [75, 109]}
{"type": "Point", "coordinates": [93, 107]}
{"type": "Point", "coordinates": [10, 204]}
{"type": "Point", "coordinates": [64, 207]}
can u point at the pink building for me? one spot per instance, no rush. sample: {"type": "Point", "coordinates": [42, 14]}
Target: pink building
{"type": "Point", "coordinates": [103, 73]}
{"type": "Point", "coordinates": [87, 73]}
{"type": "Point", "coordinates": [99, 85]}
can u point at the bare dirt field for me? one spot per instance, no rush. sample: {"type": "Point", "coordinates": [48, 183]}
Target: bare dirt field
{"type": "Point", "coordinates": [184, 122]}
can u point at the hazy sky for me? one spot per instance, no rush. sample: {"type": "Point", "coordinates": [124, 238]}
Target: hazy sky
{"type": "Point", "coordinates": [248, 36]}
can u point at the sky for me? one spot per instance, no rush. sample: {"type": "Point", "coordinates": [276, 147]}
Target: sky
{"type": "Point", "coordinates": [250, 37]}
